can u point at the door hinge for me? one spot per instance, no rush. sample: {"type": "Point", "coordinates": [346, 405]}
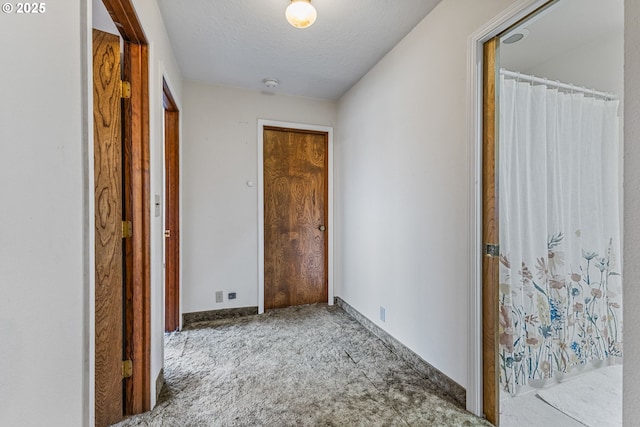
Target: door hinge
{"type": "Point", "coordinates": [492, 249]}
{"type": "Point", "coordinates": [127, 368]}
{"type": "Point", "coordinates": [127, 229]}
{"type": "Point", "coordinates": [167, 233]}
{"type": "Point", "coordinates": [126, 89]}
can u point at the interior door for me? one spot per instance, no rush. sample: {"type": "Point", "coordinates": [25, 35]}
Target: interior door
{"type": "Point", "coordinates": [172, 212]}
{"type": "Point", "coordinates": [491, 392]}
{"type": "Point", "coordinates": [108, 228]}
{"type": "Point", "coordinates": [295, 217]}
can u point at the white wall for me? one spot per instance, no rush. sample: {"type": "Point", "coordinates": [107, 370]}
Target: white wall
{"type": "Point", "coordinates": [631, 383]}
{"type": "Point", "coordinates": [220, 212]}
{"type": "Point", "coordinates": [598, 64]}
{"type": "Point", "coordinates": [46, 227]}
{"type": "Point", "coordinates": [402, 185]}
{"type": "Point", "coordinates": [43, 275]}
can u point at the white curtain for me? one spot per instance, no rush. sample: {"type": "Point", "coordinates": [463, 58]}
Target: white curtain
{"type": "Point", "coordinates": [559, 184]}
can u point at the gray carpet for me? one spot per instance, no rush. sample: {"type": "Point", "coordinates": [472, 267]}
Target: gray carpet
{"type": "Point", "coordinates": [299, 366]}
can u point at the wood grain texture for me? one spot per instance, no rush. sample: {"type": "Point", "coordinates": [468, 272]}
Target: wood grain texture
{"type": "Point", "coordinates": [108, 228]}
{"type": "Point", "coordinates": [124, 16]}
{"type": "Point", "coordinates": [136, 143]}
{"type": "Point", "coordinates": [137, 202]}
{"type": "Point", "coordinates": [128, 200]}
{"type": "Point", "coordinates": [491, 392]}
{"type": "Point", "coordinates": [172, 210]}
{"type": "Point", "coordinates": [295, 206]}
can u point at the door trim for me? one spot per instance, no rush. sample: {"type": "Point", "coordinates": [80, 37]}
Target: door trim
{"type": "Point", "coordinates": [475, 45]}
{"type": "Point", "coordinates": [138, 396]}
{"type": "Point", "coordinates": [329, 130]}
{"type": "Point", "coordinates": [172, 206]}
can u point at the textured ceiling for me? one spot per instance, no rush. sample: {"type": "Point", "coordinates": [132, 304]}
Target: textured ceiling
{"type": "Point", "coordinates": [241, 42]}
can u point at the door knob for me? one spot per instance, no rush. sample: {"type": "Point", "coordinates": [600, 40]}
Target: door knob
{"type": "Point", "coordinates": [322, 228]}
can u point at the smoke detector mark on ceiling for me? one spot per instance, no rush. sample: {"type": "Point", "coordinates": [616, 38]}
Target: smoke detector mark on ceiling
{"type": "Point", "coordinates": [271, 83]}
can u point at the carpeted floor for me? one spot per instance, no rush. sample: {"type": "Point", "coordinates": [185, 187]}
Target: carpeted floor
{"type": "Point", "coordinates": [299, 366]}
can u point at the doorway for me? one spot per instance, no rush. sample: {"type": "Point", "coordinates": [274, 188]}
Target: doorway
{"type": "Point", "coordinates": [302, 230]}
{"type": "Point", "coordinates": [560, 284]}
{"type": "Point", "coordinates": [121, 177]}
{"type": "Point", "coordinates": [172, 209]}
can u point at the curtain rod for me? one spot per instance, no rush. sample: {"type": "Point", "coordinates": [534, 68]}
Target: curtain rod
{"type": "Point", "coordinates": [547, 82]}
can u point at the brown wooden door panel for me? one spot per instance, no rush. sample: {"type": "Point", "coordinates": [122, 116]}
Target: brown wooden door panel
{"type": "Point", "coordinates": [491, 392]}
{"type": "Point", "coordinates": [136, 185]}
{"type": "Point", "coordinates": [172, 211]}
{"type": "Point", "coordinates": [108, 228]}
{"type": "Point", "coordinates": [295, 207]}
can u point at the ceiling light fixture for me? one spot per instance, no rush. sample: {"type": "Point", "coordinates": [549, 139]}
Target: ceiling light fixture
{"type": "Point", "coordinates": [515, 36]}
{"type": "Point", "coordinates": [301, 14]}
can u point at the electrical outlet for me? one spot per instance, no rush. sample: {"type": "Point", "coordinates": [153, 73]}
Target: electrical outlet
{"type": "Point", "coordinates": [219, 296]}
{"type": "Point", "coordinates": [383, 314]}
{"type": "Point", "coordinates": [231, 295]}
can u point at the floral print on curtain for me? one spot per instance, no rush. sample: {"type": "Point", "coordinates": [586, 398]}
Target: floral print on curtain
{"type": "Point", "coordinates": [565, 322]}
{"type": "Point", "coordinates": [560, 279]}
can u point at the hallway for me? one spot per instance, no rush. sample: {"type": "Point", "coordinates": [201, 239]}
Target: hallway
{"type": "Point", "coordinates": [306, 365]}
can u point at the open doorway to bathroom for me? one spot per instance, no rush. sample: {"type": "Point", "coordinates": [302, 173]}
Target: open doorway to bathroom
{"type": "Point", "coordinates": [559, 85]}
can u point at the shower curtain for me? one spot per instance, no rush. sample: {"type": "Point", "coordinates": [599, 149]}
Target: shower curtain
{"type": "Point", "coordinates": [560, 249]}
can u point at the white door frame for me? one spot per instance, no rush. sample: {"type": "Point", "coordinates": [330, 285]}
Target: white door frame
{"type": "Point", "coordinates": [500, 23]}
{"type": "Point", "coordinates": [329, 130]}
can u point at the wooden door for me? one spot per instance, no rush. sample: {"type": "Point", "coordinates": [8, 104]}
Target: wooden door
{"type": "Point", "coordinates": [108, 228]}
{"type": "Point", "coordinates": [295, 217]}
{"type": "Point", "coordinates": [491, 392]}
{"type": "Point", "coordinates": [136, 195]}
{"type": "Point", "coordinates": [172, 212]}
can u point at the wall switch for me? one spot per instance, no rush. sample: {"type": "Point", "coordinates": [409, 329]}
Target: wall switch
{"type": "Point", "coordinates": [231, 295]}
{"type": "Point", "coordinates": [383, 314]}
{"type": "Point", "coordinates": [157, 205]}
{"type": "Point", "coordinates": [219, 296]}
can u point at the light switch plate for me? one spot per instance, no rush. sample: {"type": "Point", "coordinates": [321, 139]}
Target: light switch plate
{"type": "Point", "coordinates": [157, 205]}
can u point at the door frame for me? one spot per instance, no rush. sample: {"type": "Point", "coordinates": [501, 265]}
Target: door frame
{"type": "Point", "coordinates": [171, 138]}
{"type": "Point", "coordinates": [138, 301]}
{"type": "Point", "coordinates": [475, 52]}
{"type": "Point", "coordinates": [137, 397]}
{"type": "Point", "coordinates": [289, 125]}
